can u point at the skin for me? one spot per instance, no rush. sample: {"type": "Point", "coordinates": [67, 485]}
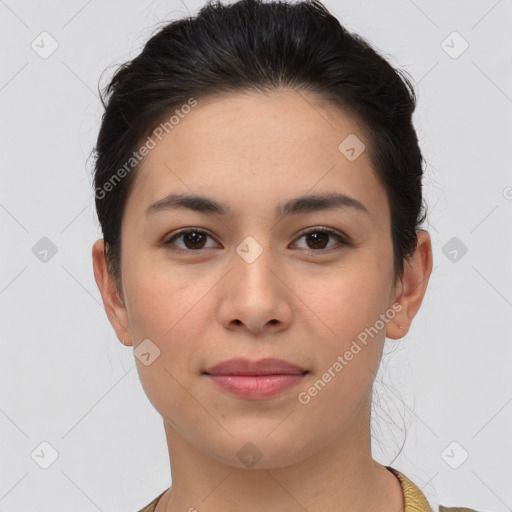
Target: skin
{"type": "Point", "coordinates": [295, 301]}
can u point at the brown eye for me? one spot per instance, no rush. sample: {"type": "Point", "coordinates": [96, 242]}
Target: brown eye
{"type": "Point", "coordinates": [193, 240]}
{"type": "Point", "coordinates": [318, 239]}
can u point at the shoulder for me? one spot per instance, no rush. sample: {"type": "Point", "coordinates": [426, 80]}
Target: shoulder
{"type": "Point", "coordinates": [150, 507]}
{"type": "Point", "coordinates": [416, 501]}
{"type": "Point", "coordinates": [456, 509]}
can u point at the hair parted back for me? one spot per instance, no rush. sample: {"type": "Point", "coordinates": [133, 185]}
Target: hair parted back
{"type": "Point", "coordinates": [260, 46]}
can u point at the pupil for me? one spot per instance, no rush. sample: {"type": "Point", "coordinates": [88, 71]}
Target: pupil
{"type": "Point", "coordinates": [317, 237]}
{"type": "Point", "coordinates": [194, 237]}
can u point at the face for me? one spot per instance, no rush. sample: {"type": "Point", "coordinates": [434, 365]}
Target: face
{"type": "Point", "coordinates": [256, 273]}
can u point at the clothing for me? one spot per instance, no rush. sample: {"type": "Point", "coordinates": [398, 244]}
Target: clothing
{"type": "Point", "coordinates": [151, 507]}
{"type": "Point", "coordinates": [414, 499]}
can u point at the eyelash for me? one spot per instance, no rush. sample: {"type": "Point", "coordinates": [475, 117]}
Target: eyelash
{"type": "Point", "coordinates": [342, 241]}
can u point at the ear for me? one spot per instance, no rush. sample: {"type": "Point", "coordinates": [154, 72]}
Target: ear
{"type": "Point", "coordinates": [410, 289]}
{"type": "Point", "coordinates": [114, 305]}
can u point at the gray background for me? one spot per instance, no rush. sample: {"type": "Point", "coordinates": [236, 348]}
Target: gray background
{"type": "Point", "coordinates": [66, 380]}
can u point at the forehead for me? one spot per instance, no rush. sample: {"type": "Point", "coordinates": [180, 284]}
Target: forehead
{"type": "Point", "coordinates": [248, 145]}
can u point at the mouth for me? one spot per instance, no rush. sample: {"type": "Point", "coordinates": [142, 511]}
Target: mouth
{"type": "Point", "coordinates": [248, 367]}
{"type": "Point", "coordinates": [255, 387]}
{"type": "Point", "coordinates": [255, 380]}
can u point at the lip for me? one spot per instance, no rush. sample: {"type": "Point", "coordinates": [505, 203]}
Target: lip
{"type": "Point", "coordinates": [255, 379]}
{"type": "Point", "coordinates": [244, 366]}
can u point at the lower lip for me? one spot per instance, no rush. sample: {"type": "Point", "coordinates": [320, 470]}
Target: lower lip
{"type": "Point", "coordinates": [255, 387]}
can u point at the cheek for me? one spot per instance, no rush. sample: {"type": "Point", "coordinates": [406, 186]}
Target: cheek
{"type": "Point", "coordinates": [345, 300]}
{"type": "Point", "coordinates": [169, 314]}
{"type": "Point", "coordinates": [174, 312]}
{"type": "Point", "coordinates": [349, 304]}
{"type": "Point", "coordinates": [159, 299]}
{"type": "Point", "coordinates": [350, 349]}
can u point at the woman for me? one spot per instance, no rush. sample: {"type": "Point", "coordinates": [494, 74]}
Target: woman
{"type": "Point", "coordinates": [258, 183]}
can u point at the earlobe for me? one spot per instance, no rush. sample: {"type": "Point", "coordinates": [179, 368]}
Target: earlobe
{"type": "Point", "coordinates": [414, 281]}
{"type": "Point", "coordinates": [114, 307]}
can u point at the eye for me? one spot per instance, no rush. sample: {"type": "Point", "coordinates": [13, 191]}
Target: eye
{"type": "Point", "coordinates": [193, 238]}
{"type": "Point", "coordinates": [319, 238]}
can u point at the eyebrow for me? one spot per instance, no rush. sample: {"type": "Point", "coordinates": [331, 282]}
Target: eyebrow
{"type": "Point", "coordinates": [303, 204]}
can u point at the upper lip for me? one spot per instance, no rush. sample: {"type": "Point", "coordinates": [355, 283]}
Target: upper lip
{"type": "Point", "coordinates": [243, 366]}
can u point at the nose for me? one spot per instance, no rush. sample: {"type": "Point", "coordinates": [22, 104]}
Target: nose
{"type": "Point", "coordinates": [255, 295]}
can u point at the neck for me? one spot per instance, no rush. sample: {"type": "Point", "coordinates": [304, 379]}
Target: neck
{"type": "Point", "coordinates": [341, 476]}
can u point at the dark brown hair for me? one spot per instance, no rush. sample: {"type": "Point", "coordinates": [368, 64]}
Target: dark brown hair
{"type": "Point", "coordinates": [260, 46]}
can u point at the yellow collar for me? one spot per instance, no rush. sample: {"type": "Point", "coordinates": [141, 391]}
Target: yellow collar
{"type": "Point", "coordinates": [414, 499]}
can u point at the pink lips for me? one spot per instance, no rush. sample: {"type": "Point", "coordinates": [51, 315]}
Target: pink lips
{"type": "Point", "coordinates": [259, 379]}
